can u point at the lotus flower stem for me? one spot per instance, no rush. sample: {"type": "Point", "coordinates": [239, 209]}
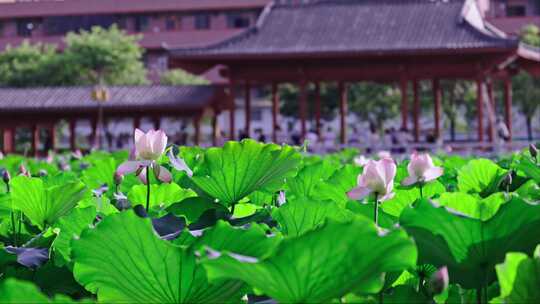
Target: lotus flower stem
{"type": "Point", "coordinates": [421, 187]}
{"type": "Point", "coordinates": [479, 295]}
{"type": "Point", "coordinates": [147, 188]}
{"type": "Point", "coordinates": [13, 228]}
{"type": "Point", "coordinates": [376, 210]}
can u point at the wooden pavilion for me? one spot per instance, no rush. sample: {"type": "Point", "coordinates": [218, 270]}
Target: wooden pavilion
{"type": "Point", "coordinates": [346, 41]}
{"type": "Point", "coordinates": [38, 108]}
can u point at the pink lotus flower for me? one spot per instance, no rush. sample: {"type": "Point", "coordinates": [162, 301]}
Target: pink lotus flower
{"type": "Point", "coordinates": [148, 148]}
{"type": "Point", "coordinates": [439, 281]}
{"type": "Point", "coordinates": [421, 169]}
{"type": "Point", "coordinates": [378, 177]}
{"type": "Point", "coordinates": [361, 160]}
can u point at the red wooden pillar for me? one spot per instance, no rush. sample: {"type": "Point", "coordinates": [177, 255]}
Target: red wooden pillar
{"type": "Point", "coordinates": [35, 140]}
{"type": "Point", "coordinates": [303, 108]}
{"type": "Point", "coordinates": [404, 104]}
{"type": "Point", "coordinates": [318, 125]}
{"type": "Point", "coordinates": [93, 136]}
{"type": "Point", "coordinates": [343, 112]}
{"type": "Point", "coordinates": [437, 94]}
{"type": "Point", "coordinates": [157, 123]}
{"type": "Point", "coordinates": [136, 122]}
{"type": "Point", "coordinates": [214, 128]}
{"type": "Point", "coordinates": [73, 134]}
{"type": "Point", "coordinates": [416, 111]}
{"type": "Point", "coordinates": [275, 110]}
{"type": "Point", "coordinates": [247, 96]}
{"type": "Point", "coordinates": [197, 127]}
{"type": "Point", "coordinates": [9, 140]}
{"type": "Point", "coordinates": [492, 116]}
{"type": "Point", "coordinates": [52, 133]}
{"type": "Point", "coordinates": [232, 108]}
{"type": "Point", "coordinates": [480, 109]}
{"type": "Point", "coordinates": [508, 105]}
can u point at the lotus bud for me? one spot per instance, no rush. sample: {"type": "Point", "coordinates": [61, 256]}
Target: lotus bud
{"type": "Point", "coordinates": [507, 180]}
{"type": "Point", "coordinates": [42, 173]}
{"type": "Point", "coordinates": [23, 171]}
{"type": "Point", "coordinates": [438, 282]}
{"type": "Point", "coordinates": [6, 176]}
{"type": "Point", "coordinates": [377, 177]}
{"type": "Point", "coordinates": [533, 150]}
{"type": "Point", "coordinates": [118, 178]}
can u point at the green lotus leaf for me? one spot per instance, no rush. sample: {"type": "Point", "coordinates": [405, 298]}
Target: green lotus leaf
{"type": "Point", "coordinates": [123, 260]}
{"type": "Point", "coordinates": [192, 208]}
{"type": "Point", "coordinates": [407, 196]}
{"type": "Point", "coordinates": [529, 168]}
{"type": "Point", "coordinates": [519, 278]}
{"type": "Point", "coordinates": [100, 172]}
{"type": "Point", "coordinates": [309, 177]}
{"type": "Point", "coordinates": [323, 264]}
{"type": "Point", "coordinates": [69, 227]}
{"type": "Point", "coordinates": [475, 207]}
{"type": "Point", "coordinates": [336, 186]}
{"type": "Point", "coordinates": [251, 242]}
{"type": "Point", "coordinates": [300, 215]}
{"type": "Point", "coordinates": [44, 205]}
{"type": "Point", "coordinates": [471, 247]}
{"type": "Point", "coordinates": [16, 291]}
{"type": "Point", "coordinates": [480, 176]}
{"type": "Point", "coordinates": [237, 169]}
{"type": "Point", "coordinates": [261, 198]}
{"type": "Point", "coordinates": [161, 196]}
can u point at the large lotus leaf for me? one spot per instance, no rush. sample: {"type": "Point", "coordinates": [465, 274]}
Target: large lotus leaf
{"type": "Point", "coordinates": [336, 187]}
{"type": "Point", "coordinates": [407, 196]}
{"type": "Point", "coordinates": [530, 190]}
{"type": "Point", "coordinates": [473, 206]}
{"type": "Point", "coordinates": [44, 205]}
{"type": "Point", "coordinates": [161, 196]}
{"type": "Point", "coordinates": [252, 241]}
{"type": "Point", "coordinates": [16, 291]}
{"type": "Point", "coordinates": [322, 264]}
{"type": "Point", "coordinates": [309, 177]}
{"type": "Point", "coordinates": [261, 198]}
{"type": "Point", "coordinates": [237, 169]}
{"type": "Point", "coordinates": [300, 215]}
{"type": "Point", "coordinates": [123, 260]}
{"type": "Point", "coordinates": [5, 205]}
{"type": "Point", "coordinates": [471, 247]}
{"type": "Point", "coordinates": [99, 173]}
{"type": "Point", "coordinates": [68, 227]}
{"type": "Point", "coordinates": [479, 176]}
{"type": "Point", "coordinates": [519, 278]}
{"type": "Point", "coordinates": [529, 168]}
{"type": "Point", "coordinates": [192, 208]}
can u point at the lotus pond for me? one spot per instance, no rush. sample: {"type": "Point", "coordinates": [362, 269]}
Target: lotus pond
{"type": "Point", "coordinates": [262, 223]}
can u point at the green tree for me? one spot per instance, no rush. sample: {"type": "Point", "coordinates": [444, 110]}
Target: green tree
{"type": "Point", "coordinates": [107, 56]}
{"type": "Point", "coordinates": [458, 94]}
{"type": "Point", "coordinates": [530, 34]}
{"type": "Point", "coordinates": [31, 65]}
{"type": "Point", "coordinates": [181, 77]}
{"type": "Point", "coordinates": [375, 102]}
{"type": "Point", "coordinates": [527, 97]}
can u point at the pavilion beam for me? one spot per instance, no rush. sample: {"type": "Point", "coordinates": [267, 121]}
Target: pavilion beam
{"type": "Point", "coordinates": [318, 125]}
{"type": "Point", "coordinates": [416, 111]}
{"type": "Point", "coordinates": [275, 111]}
{"type": "Point", "coordinates": [437, 94]}
{"type": "Point", "coordinates": [508, 105]}
{"type": "Point", "coordinates": [247, 96]}
{"type": "Point", "coordinates": [404, 104]}
{"type": "Point", "coordinates": [232, 108]}
{"type": "Point", "coordinates": [9, 140]}
{"type": "Point", "coordinates": [35, 140]}
{"type": "Point", "coordinates": [303, 108]}
{"type": "Point", "coordinates": [480, 109]}
{"type": "Point", "coordinates": [73, 134]}
{"type": "Point", "coordinates": [343, 113]}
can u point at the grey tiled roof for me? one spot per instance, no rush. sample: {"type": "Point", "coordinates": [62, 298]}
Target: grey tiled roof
{"type": "Point", "coordinates": [122, 98]}
{"type": "Point", "coordinates": [356, 26]}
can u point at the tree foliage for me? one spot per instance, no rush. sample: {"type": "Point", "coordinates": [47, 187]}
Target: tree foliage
{"type": "Point", "coordinates": [181, 77]}
{"type": "Point", "coordinates": [101, 55]}
{"type": "Point", "coordinates": [527, 97]}
{"type": "Point", "coordinates": [530, 34]}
